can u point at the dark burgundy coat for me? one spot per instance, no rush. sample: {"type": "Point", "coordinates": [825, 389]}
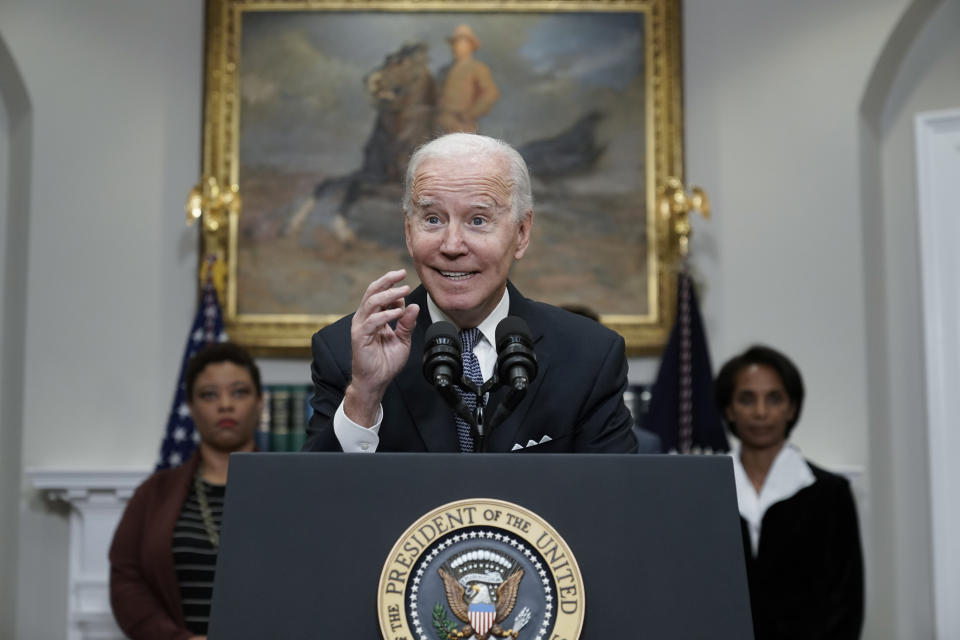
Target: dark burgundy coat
{"type": "Point", "coordinates": [144, 592]}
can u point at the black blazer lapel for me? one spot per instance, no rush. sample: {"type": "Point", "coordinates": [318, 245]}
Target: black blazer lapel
{"type": "Point", "coordinates": [431, 416]}
{"type": "Point", "coordinates": [511, 430]}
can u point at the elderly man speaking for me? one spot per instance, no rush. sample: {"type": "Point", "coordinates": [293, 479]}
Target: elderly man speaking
{"type": "Point", "coordinates": [468, 215]}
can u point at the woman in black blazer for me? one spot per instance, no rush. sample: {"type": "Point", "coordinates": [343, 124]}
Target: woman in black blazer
{"type": "Point", "coordinates": [799, 522]}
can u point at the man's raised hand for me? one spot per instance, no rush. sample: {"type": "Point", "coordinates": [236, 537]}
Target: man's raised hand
{"type": "Point", "coordinates": [379, 350]}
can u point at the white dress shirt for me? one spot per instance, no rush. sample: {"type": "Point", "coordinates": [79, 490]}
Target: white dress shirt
{"type": "Point", "coordinates": [356, 438]}
{"type": "Point", "coordinates": [788, 475]}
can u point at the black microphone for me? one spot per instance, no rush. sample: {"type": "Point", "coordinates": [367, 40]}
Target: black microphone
{"type": "Point", "coordinates": [443, 368]}
{"type": "Point", "coordinates": [516, 366]}
{"type": "Point", "coordinates": [516, 360]}
{"type": "Point", "coordinates": [441, 356]}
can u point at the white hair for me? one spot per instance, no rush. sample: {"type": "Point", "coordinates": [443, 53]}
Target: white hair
{"type": "Point", "coordinates": [458, 145]}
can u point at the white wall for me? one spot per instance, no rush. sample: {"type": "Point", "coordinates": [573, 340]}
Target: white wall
{"type": "Point", "coordinates": [4, 199]}
{"type": "Point", "coordinates": [775, 132]}
{"type": "Point", "coordinates": [772, 90]}
{"type": "Point", "coordinates": [927, 78]}
{"type": "Point", "coordinates": [8, 535]}
{"type": "Point", "coordinates": [15, 146]}
{"type": "Point", "coordinates": [115, 91]}
{"type": "Point", "coordinates": [116, 94]}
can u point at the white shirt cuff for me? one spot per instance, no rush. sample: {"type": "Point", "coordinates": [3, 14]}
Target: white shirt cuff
{"type": "Point", "coordinates": [354, 438]}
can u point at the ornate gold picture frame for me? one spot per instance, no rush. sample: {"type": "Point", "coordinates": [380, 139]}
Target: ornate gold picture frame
{"type": "Point", "coordinates": [311, 108]}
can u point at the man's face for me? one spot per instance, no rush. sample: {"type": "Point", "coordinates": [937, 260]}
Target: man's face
{"type": "Point", "coordinates": [462, 234]}
{"type": "Point", "coordinates": [462, 48]}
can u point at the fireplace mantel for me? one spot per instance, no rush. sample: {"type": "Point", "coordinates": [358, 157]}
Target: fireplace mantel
{"type": "Point", "coordinates": [96, 500]}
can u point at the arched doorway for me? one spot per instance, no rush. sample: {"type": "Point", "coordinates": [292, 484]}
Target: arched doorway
{"type": "Point", "coordinates": [915, 71]}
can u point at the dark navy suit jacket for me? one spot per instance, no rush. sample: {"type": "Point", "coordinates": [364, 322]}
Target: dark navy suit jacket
{"type": "Point", "coordinates": [576, 398]}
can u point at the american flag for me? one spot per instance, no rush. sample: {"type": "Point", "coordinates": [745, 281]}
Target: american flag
{"type": "Point", "coordinates": [682, 410]}
{"type": "Point", "coordinates": [181, 438]}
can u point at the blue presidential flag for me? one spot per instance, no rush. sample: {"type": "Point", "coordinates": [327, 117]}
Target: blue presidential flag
{"type": "Point", "coordinates": [682, 410]}
{"type": "Point", "coordinates": [181, 438]}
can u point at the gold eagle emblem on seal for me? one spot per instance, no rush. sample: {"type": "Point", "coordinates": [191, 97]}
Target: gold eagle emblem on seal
{"type": "Point", "coordinates": [478, 569]}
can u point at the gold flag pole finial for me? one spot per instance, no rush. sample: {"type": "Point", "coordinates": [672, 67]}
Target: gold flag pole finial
{"type": "Point", "coordinates": [675, 205]}
{"type": "Point", "coordinates": [212, 206]}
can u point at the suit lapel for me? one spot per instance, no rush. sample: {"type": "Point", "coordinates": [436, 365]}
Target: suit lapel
{"type": "Point", "coordinates": [511, 430]}
{"type": "Point", "coordinates": [431, 416]}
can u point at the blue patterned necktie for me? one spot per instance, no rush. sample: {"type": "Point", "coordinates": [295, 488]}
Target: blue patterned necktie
{"type": "Point", "coordinates": [471, 371]}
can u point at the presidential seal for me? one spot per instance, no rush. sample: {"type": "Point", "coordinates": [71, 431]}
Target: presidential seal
{"type": "Point", "coordinates": [478, 569]}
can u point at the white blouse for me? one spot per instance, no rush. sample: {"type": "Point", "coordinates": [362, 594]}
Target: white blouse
{"type": "Point", "coordinates": [788, 475]}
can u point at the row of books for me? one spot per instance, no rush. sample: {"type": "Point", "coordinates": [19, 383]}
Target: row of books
{"type": "Point", "coordinates": [286, 412]}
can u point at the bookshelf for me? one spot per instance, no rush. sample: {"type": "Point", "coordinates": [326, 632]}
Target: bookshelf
{"type": "Point", "coordinates": [286, 412]}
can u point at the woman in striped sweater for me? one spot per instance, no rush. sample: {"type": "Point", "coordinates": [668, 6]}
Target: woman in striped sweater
{"type": "Point", "coordinates": [164, 551]}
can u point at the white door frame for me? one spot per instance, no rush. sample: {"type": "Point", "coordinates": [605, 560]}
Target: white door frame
{"type": "Point", "coordinates": [938, 191]}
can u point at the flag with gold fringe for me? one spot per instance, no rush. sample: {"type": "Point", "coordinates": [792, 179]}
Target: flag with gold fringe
{"type": "Point", "coordinates": [682, 410]}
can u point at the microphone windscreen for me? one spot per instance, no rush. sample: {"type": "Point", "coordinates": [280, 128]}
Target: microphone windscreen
{"type": "Point", "coordinates": [442, 329]}
{"type": "Point", "coordinates": [513, 326]}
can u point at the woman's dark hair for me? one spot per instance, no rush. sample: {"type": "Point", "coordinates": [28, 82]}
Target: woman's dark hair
{"type": "Point", "coordinates": [758, 354]}
{"type": "Point", "coordinates": [217, 352]}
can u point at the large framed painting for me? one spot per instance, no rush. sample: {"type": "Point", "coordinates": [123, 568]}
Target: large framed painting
{"type": "Point", "coordinates": [312, 108]}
